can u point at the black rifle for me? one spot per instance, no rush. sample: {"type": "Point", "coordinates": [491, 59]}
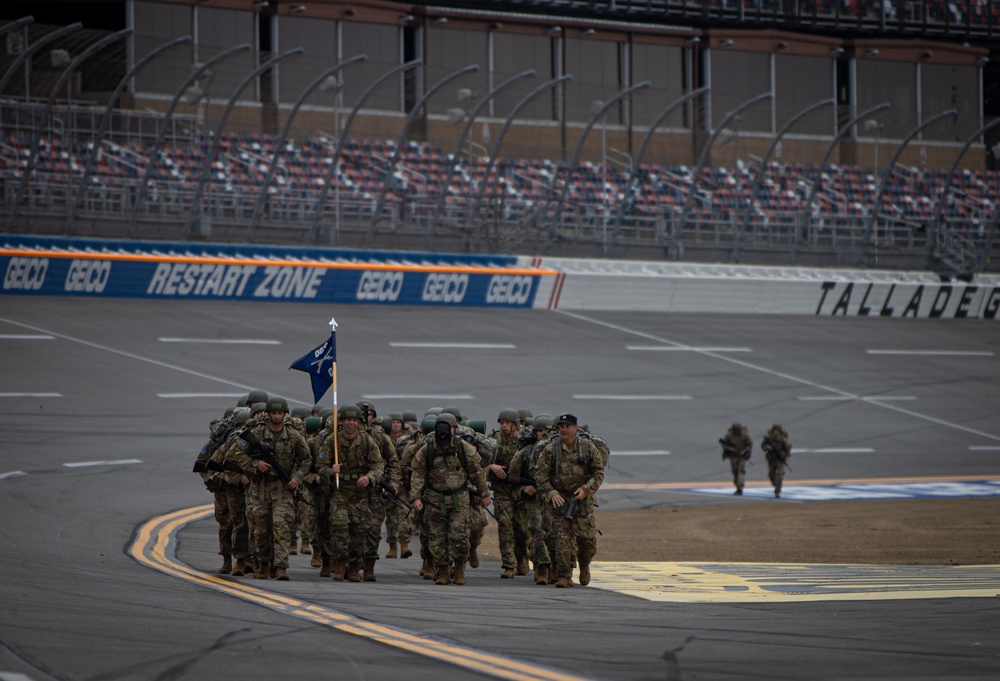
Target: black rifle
{"type": "Point", "coordinates": [732, 450]}
{"type": "Point", "coordinates": [392, 496]}
{"type": "Point", "coordinates": [570, 509]}
{"type": "Point", "coordinates": [260, 452]}
{"type": "Point", "coordinates": [517, 480]}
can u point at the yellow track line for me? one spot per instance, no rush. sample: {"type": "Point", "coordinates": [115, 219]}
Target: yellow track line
{"type": "Point", "coordinates": [155, 542]}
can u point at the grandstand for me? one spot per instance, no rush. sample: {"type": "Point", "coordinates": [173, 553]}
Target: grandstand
{"type": "Point", "coordinates": [820, 133]}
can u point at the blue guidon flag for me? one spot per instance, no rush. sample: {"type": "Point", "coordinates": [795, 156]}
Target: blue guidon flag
{"type": "Point", "coordinates": [320, 363]}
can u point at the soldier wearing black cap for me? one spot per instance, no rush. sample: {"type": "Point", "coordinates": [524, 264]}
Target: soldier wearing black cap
{"type": "Point", "coordinates": [569, 472]}
{"type": "Point", "coordinates": [777, 451]}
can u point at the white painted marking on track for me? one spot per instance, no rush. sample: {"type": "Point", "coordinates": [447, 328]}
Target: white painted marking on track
{"type": "Point", "coordinates": [13, 676]}
{"type": "Point", "coordinates": [984, 448]}
{"type": "Point", "coordinates": [418, 397]}
{"type": "Point", "coordinates": [941, 353]}
{"type": "Point", "coordinates": [881, 398]}
{"type": "Point", "coordinates": [788, 377]}
{"type": "Point", "coordinates": [172, 396]}
{"type": "Point", "coordinates": [668, 348]}
{"type": "Point", "coordinates": [464, 346]}
{"type": "Point", "coordinates": [649, 452]}
{"type": "Point", "coordinates": [82, 464]}
{"type": "Point", "coordinates": [836, 450]}
{"type": "Point", "coordinates": [12, 474]}
{"type": "Point", "coordinates": [31, 395]}
{"type": "Point", "coordinates": [632, 397]}
{"type": "Point", "coordinates": [25, 336]}
{"type": "Point", "coordinates": [223, 341]}
{"type": "Point", "coordinates": [828, 398]}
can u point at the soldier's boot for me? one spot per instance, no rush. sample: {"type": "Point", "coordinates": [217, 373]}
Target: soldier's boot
{"type": "Point", "coordinates": [425, 570]}
{"type": "Point", "coordinates": [261, 571]}
{"type": "Point", "coordinates": [292, 549]}
{"type": "Point", "coordinates": [272, 571]}
{"type": "Point", "coordinates": [553, 575]}
{"type": "Point", "coordinates": [404, 549]}
{"type": "Point", "coordinates": [443, 575]}
{"type": "Point", "coordinates": [227, 565]}
{"type": "Point", "coordinates": [473, 557]}
{"type": "Point", "coordinates": [306, 549]}
{"type": "Point", "coordinates": [458, 573]}
{"type": "Point", "coordinates": [392, 550]}
{"type": "Point", "coordinates": [541, 575]}
{"type": "Point", "coordinates": [564, 583]}
{"type": "Point", "coordinates": [522, 565]}
{"type": "Point", "coordinates": [339, 570]}
{"type": "Point", "coordinates": [240, 568]}
{"type": "Point", "coordinates": [281, 574]}
{"type": "Point", "coordinates": [353, 573]}
{"type": "Point", "coordinates": [508, 573]}
{"type": "Point", "coordinates": [584, 573]}
{"type": "Point", "coordinates": [316, 560]}
{"type": "Point", "coordinates": [369, 570]}
{"type": "Point", "coordinates": [324, 570]}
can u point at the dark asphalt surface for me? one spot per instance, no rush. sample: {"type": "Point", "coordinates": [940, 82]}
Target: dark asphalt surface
{"type": "Point", "coordinates": [77, 606]}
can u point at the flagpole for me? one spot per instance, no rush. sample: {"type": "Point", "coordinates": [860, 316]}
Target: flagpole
{"type": "Point", "coordinates": [336, 435]}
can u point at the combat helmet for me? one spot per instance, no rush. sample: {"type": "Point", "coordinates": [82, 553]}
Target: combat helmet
{"type": "Point", "coordinates": [509, 415]}
{"type": "Point", "coordinates": [349, 411]}
{"type": "Point", "coordinates": [277, 404]}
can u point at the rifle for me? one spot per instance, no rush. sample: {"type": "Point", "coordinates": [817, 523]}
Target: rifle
{"type": "Point", "coordinates": [726, 447]}
{"type": "Point", "coordinates": [518, 480]}
{"type": "Point", "coordinates": [570, 509]}
{"type": "Point", "coordinates": [259, 452]}
{"type": "Point", "coordinates": [392, 496]}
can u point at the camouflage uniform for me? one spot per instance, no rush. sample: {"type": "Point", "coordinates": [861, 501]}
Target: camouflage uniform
{"type": "Point", "coordinates": [532, 508]}
{"type": "Point", "coordinates": [737, 447]}
{"type": "Point", "coordinates": [777, 451]}
{"type": "Point", "coordinates": [410, 449]}
{"type": "Point", "coordinates": [504, 504]}
{"type": "Point", "coordinates": [563, 469]}
{"type": "Point", "coordinates": [349, 518]}
{"type": "Point", "coordinates": [234, 498]}
{"type": "Point", "coordinates": [441, 482]}
{"type": "Point", "coordinates": [380, 506]}
{"type": "Point", "coordinates": [270, 504]}
{"type": "Point", "coordinates": [486, 451]}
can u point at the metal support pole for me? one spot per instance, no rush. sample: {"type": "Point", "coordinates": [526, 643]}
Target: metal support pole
{"type": "Point", "coordinates": [701, 163]}
{"type": "Point", "coordinates": [75, 199]}
{"type": "Point", "coordinates": [273, 165]}
{"type": "Point", "coordinates": [470, 119]}
{"type": "Point", "coordinates": [633, 180]}
{"type": "Point", "coordinates": [872, 219]}
{"type": "Point", "coordinates": [332, 171]}
{"type": "Point", "coordinates": [759, 180]}
{"type": "Point", "coordinates": [47, 114]}
{"type": "Point", "coordinates": [195, 212]}
{"type": "Point", "coordinates": [161, 129]}
{"type": "Point", "coordinates": [554, 228]}
{"type": "Point", "coordinates": [939, 210]}
{"type": "Point", "coordinates": [397, 152]}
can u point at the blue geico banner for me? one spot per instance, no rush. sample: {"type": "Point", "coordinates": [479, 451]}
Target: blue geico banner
{"type": "Point", "coordinates": [34, 272]}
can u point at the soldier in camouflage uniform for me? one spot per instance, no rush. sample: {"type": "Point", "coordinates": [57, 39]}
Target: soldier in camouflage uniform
{"type": "Point", "coordinates": [232, 485]}
{"type": "Point", "coordinates": [505, 491]}
{"type": "Point", "coordinates": [397, 521]}
{"type": "Point", "coordinates": [271, 500]}
{"type": "Point", "coordinates": [379, 504]}
{"type": "Point", "coordinates": [486, 449]}
{"type": "Point", "coordinates": [310, 509]}
{"type": "Point", "coordinates": [303, 500]}
{"type": "Point", "coordinates": [443, 471]}
{"type": "Point", "coordinates": [737, 447]}
{"type": "Point", "coordinates": [570, 469]}
{"type": "Point", "coordinates": [410, 447]}
{"type": "Point", "coordinates": [529, 500]}
{"type": "Point", "coordinates": [777, 451]}
{"type": "Point", "coordinates": [218, 429]}
{"type": "Point", "coordinates": [360, 467]}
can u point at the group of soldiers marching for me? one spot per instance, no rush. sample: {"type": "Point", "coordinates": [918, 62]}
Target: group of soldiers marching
{"type": "Point", "coordinates": [737, 447]}
{"type": "Point", "coordinates": [336, 481]}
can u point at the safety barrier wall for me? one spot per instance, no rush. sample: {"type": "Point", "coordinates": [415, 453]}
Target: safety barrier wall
{"type": "Point", "coordinates": [63, 266]}
{"type": "Point", "coordinates": [218, 272]}
{"type": "Point", "coordinates": [687, 287]}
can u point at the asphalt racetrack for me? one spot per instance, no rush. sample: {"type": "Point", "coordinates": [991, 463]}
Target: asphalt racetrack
{"type": "Point", "coordinates": [107, 548]}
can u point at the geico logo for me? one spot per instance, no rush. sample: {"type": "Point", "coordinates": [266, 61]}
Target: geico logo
{"type": "Point", "coordinates": [380, 286]}
{"type": "Point", "coordinates": [445, 288]}
{"type": "Point", "coordinates": [25, 274]}
{"type": "Point", "coordinates": [88, 276]}
{"type": "Point", "coordinates": [505, 288]}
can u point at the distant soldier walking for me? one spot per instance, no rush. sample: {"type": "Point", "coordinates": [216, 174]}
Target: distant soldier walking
{"type": "Point", "coordinates": [777, 451]}
{"type": "Point", "coordinates": [737, 447]}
